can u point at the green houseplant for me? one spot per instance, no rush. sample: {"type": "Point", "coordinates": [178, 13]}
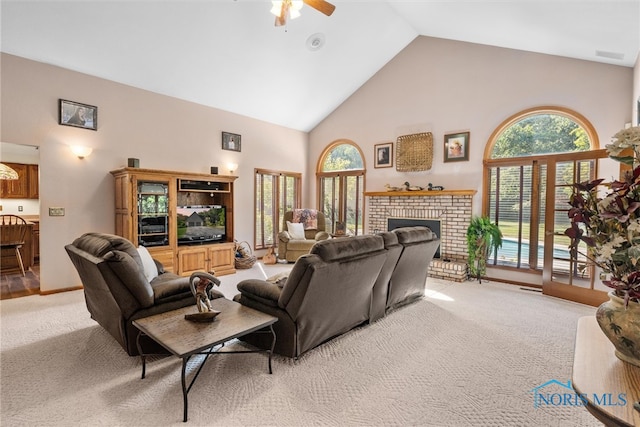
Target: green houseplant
{"type": "Point", "coordinates": [609, 225]}
{"type": "Point", "coordinates": [483, 237]}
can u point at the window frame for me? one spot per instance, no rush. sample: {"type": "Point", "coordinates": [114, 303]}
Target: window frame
{"type": "Point", "coordinates": [276, 202]}
{"type": "Point", "coordinates": [535, 161]}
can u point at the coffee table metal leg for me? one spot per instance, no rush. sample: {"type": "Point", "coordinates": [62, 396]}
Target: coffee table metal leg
{"type": "Point", "coordinates": [143, 357]}
{"type": "Point", "coordinates": [273, 345]}
{"type": "Point", "coordinates": [184, 387]}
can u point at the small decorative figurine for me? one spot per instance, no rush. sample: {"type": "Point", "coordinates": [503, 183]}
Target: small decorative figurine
{"type": "Point", "coordinates": [432, 187]}
{"type": "Point", "coordinates": [412, 187]}
{"type": "Point", "coordinates": [390, 188]}
{"type": "Point", "coordinates": [201, 284]}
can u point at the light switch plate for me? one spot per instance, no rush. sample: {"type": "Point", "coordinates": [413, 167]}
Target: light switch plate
{"type": "Point", "coordinates": [56, 211]}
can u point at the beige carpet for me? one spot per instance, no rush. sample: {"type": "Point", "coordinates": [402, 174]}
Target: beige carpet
{"type": "Point", "coordinates": [467, 355]}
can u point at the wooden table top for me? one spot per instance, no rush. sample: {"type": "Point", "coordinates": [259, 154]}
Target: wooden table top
{"type": "Point", "coordinates": [184, 338]}
{"type": "Point", "coordinates": [597, 372]}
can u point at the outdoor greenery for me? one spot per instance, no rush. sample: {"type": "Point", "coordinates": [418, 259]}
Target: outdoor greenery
{"type": "Point", "coordinates": [541, 134]}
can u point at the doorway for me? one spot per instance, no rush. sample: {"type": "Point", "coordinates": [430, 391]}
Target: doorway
{"type": "Point", "coordinates": [25, 204]}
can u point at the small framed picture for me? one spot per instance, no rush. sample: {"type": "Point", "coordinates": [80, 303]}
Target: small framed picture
{"type": "Point", "coordinates": [231, 141]}
{"type": "Point", "coordinates": [340, 229]}
{"type": "Point", "coordinates": [383, 155]}
{"type": "Point", "coordinates": [78, 115]}
{"type": "Point", "coordinates": [456, 147]}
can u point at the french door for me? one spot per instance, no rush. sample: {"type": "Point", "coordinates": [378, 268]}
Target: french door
{"type": "Point", "coordinates": [563, 276]}
{"type": "Point", "coordinates": [529, 201]}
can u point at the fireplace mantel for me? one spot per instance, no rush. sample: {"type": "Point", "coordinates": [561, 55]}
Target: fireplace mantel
{"type": "Point", "coordinates": [432, 193]}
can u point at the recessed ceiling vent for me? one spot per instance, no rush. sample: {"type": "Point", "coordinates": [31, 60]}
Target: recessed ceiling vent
{"type": "Point", "coordinates": [315, 41]}
{"type": "Point", "coordinates": [610, 55]}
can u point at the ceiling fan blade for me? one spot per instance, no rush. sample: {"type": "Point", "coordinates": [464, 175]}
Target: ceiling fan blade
{"type": "Point", "coordinates": [322, 6]}
{"type": "Point", "coordinates": [282, 18]}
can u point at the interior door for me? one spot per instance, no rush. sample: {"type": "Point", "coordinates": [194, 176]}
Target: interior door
{"type": "Point", "coordinates": [563, 276]}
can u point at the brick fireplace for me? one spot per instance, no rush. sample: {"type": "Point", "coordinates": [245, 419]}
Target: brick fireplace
{"type": "Point", "coordinates": [453, 208]}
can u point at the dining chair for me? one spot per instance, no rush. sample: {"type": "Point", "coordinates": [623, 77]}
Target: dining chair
{"type": "Point", "coordinates": [12, 231]}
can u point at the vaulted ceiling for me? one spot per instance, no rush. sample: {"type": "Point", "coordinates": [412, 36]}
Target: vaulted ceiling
{"type": "Point", "coordinates": [228, 54]}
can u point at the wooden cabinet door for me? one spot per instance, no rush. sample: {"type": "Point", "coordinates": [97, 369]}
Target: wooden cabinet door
{"type": "Point", "coordinates": [191, 260]}
{"type": "Point", "coordinates": [15, 188]}
{"type": "Point", "coordinates": [33, 187]}
{"type": "Point", "coordinates": [222, 258]}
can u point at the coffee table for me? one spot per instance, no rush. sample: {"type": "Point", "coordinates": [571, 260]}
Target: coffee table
{"type": "Point", "coordinates": [184, 338]}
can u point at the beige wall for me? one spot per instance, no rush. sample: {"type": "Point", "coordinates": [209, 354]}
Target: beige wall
{"type": "Point", "coordinates": [446, 86]}
{"type": "Point", "coordinates": [163, 132]}
{"type": "Point", "coordinates": [636, 92]}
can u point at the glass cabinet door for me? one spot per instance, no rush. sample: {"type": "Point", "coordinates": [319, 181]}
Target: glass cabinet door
{"type": "Point", "coordinates": [153, 213]}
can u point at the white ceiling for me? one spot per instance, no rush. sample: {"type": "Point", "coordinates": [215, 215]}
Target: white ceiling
{"type": "Point", "coordinates": [228, 54]}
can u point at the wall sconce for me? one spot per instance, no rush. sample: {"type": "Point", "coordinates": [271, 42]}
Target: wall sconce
{"type": "Point", "coordinates": [232, 167]}
{"type": "Point", "coordinates": [81, 151]}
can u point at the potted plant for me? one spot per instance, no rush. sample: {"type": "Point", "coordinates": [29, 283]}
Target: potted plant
{"type": "Point", "coordinates": [483, 237]}
{"type": "Point", "coordinates": [609, 224]}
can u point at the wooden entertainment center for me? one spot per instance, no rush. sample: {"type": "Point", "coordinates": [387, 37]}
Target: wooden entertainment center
{"type": "Point", "coordinates": [146, 204]}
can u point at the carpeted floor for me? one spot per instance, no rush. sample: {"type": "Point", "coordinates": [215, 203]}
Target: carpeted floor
{"type": "Point", "coordinates": [466, 355]}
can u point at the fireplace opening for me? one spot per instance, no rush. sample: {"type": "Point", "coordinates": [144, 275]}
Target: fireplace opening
{"type": "Point", "coordinates": [433, 224]}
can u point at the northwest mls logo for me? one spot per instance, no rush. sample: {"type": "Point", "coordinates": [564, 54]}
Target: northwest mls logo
{"type": "Point", "coordinates": [557, 393]}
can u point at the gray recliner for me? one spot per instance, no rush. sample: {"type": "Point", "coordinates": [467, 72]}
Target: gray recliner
{"type": "Point", "coordinates": [327, 293]}
{"type": "Point", "coordinates": [409, 277]}
{"type": "Point", "coordinates": [117, 291]}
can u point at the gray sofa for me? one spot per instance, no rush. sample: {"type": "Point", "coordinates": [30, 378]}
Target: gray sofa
{"type": "Point", "coordinates": [343, 283]}
{"type": "Point", "coordinates": [117, 291]}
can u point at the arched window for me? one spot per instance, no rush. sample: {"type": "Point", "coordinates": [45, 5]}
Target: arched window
{"type": "Point", "coordinates": [341, 173]}
{"type": "Point", "coordinates": [531, 161]}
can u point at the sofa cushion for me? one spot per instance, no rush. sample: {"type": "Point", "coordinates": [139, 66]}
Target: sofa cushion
{"type": "Point", "coordinates": [296, 230]}
{"type": "Point", "coordinates": [409, 235]}
{"type": "Point", "coordinates": [131, 275]}
{"type": "Point", "coordinates": [99, 244]}
{"type": "Point", "coordinates": [348, 247]}
{"type": "Point", "coordinates": [148, 265]}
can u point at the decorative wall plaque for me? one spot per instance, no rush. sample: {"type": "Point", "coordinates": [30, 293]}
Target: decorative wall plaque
{"type": "Point", "coordinates": [414, 152]}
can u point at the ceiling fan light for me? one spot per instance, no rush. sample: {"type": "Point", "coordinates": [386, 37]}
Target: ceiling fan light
{"type": "Point", "coordinates": [277, 7]}
{"type": "Point", "coordinates": [293, 13]}
{"type": "Point", "coordinates": [296, 5]}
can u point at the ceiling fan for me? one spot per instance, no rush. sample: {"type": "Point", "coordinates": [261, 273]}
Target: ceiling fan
{"type": "Point", "coordinates": [282, 8]}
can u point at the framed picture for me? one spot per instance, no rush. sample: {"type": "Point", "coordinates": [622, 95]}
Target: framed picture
{"type": "Point", "coordinates": [231, 141]}
{"type": "Point", "coordinates": [340, 229]}
{"type": "Point", "coordinates": [78, 115]}
{"type": "Point", "coordinates": [456, 147]}
{"type": "Point", "coordinates": [383, 155]}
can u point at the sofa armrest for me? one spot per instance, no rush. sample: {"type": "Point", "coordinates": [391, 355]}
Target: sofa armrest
{"type": "Point", "coordinates": [284, 236]}
{"type": "Point", "coordinates": [159, 266]}
{"type": "Point", "coordinates": [322, 235]}
{"type": "Point", "coordinates": [260, 290]}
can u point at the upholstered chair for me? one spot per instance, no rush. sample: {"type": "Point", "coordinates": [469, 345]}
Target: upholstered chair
{"type": "Point", "coordinates": [123, 283]}
{"type": "Point", "coordinates": [298, 236]}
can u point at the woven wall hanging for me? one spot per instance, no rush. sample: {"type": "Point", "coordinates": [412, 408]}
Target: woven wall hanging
{"type": "Point", "coordinates": [414, 152]}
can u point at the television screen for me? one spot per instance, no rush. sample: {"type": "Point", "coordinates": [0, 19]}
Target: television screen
{"type": "Point", "coordinates": [200, 224]}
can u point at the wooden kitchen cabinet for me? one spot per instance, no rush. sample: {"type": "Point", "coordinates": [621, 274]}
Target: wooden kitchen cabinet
{"type": "Point", "coordinates": [25, 187]}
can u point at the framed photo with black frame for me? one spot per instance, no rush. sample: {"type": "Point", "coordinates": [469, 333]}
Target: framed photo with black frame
{"type": "Point", "coordinates": [231, 141]}
{"type": "Point", "coordinates": [78, 115]}
{"type": "Point", "coordinates": [456, 147]}
{"type": "Point", "coordinates": [383, 155]}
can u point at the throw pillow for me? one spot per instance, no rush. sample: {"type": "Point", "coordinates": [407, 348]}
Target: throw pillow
{"type": "Point", "coordinates": [307, 217]}
{"type": "Point", "coordinates": [149, 266]}
{"type": "Point", "coordinates": [296, 230]}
